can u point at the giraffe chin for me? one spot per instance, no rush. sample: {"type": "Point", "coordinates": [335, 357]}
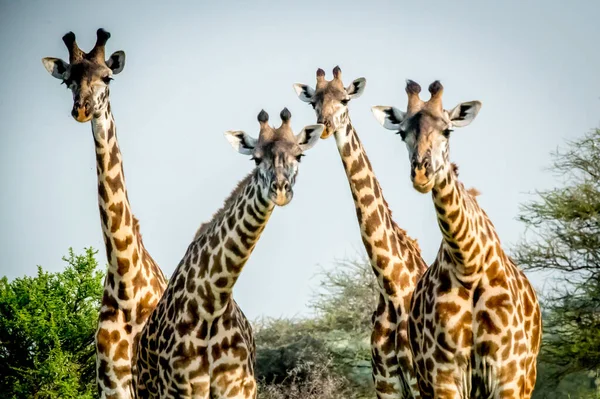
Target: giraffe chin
{"type": "Point", "coordinates": [326, 133]}
{"type": "Point", "coordinates": [423, 188]}
{"type": "Point", "coordinates": [280, 198]}
{"type": "Point", "coordinates": [82, 117]}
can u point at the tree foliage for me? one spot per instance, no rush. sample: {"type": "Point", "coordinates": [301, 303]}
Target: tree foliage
{"type": "Point", "coordinates": [326, 356]}
{"type": "Point", "coordinates": [563, 240]}
{"type": "Point", "coordinates": [47, 326]}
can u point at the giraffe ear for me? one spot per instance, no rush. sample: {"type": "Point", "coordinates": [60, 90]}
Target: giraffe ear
{"type": "Point", "coordinates": [241, 142]}
{"type": "Point", "coordinates": [304, 92]}
{"type": "Point", "coordinates": [55, 66]}
{"type": "Point", "coordinates": [356, 88]}
{"type": "Point", "coordinates": [389, 117]}
{"type": "Point", "coordinates": [309, 136]}
{"type": "Point", "coordinates": [116, 62]}
{"type": "Point", "coordinates": [464, 113]}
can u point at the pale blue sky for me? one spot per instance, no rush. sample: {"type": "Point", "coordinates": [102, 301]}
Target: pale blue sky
{"type": "Point", "coordinates": [196, 69]}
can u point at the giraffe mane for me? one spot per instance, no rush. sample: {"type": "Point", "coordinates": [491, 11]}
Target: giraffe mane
{"type": "Point", "coordinates": [454, 169]}
{"type": "Point", "coordinates": [399, 231]}
{"type": "Point", "coordinates": [136, 225]}
{"type": "Point", "coordinates": [473, 192]}
{"type": "Point", "coordinates": [204, 227]}
{"type": "Point", "coordinates": [404, 234]}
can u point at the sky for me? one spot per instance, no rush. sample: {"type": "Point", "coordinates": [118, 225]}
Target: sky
{"type": "Point", "coordinates": [196, 69]}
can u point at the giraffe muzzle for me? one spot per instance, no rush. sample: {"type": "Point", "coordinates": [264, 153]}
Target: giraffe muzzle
{"type": "Point", "coordinates": [422, 179]}
{"type": "Point", "coordinates": [281, 193]}
{"type": "Point", "coordinates": [82, 113]}
{"type": "Point", "coordinates": [328, 131]}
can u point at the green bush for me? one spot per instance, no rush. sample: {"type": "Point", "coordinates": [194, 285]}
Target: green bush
{"type": "Point", "coordinates": [47, 326]}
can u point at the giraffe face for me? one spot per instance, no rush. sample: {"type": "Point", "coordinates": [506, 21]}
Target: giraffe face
{"type": "Point", "coordinates": [426, 138]}
{"type": "Point", "coordinates": [330, 99]}
{"type": "Point", "coordinates": [425, 129]}
{"type": "Point", "coordinates": [87, 75]}
{"type": "Point", "coordinates": [277, 154]}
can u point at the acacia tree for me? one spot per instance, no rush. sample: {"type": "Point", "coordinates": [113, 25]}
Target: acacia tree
{"type": "Point", "coordinates": [326, 356]}
{"type": "Point", "coordinates": [563, 240]}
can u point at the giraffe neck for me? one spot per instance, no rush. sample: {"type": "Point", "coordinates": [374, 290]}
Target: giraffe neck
{"type": "Point", "coordinates": [382, 238]}
{"type": "Point", "coordinates": [124, 248]}
{"type": "Point", "coordinates": [221, 248]}
{"type": "Point", "coordinates": [468, 235]}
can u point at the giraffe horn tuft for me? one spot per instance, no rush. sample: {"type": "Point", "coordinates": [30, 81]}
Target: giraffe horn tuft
{"type": "Point", "coordinates": [337, 73]}
{"type": "Point", "coordinates": [263, 117]}
{"type": "Point", "coordinates": [102, 37]}
{"type": "Point", "coordinates": [414, 101]}
{"type": "Point", "coordinates": [436, 89]}
{"type": "Point", "coordinates": [75, 53]}
{"type": "Point", "coordinates": [97, 52]}
{"type": "Point", "coordinates": [320, 77]}
{"type": "Point", "coordinates": [285, 115]}
{"type": "Point", "coordinates": [412, 87]}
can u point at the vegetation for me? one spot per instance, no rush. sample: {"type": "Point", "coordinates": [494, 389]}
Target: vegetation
{"type": "Point", "coordinates": [326, 356]}
{"type": "Point", "coordinates": [47, 326]}
{"type": "Point", "coordinates": [563, 241]}
{"type": "Point", "coordinates": [47, 322]}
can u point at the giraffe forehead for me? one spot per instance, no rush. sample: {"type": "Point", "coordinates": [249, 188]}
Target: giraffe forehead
{"type": "Point", "coordinates": [330, 93]}
{"type": "Point", "coordinates": [278, 147]}
{"type": "Point", "coordinates": [87, 70]}
{"type": "Point", "coordinates": [334, 93]}
{"type": "Point", "coordinates": [423, 123]}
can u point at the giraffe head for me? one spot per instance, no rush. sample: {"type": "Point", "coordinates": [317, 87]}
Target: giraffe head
{"type": "Point", "coordinates": [86, 75]}
{"type": "Point", "coordinates": [425, 128]}
{"type": "Point", "coordinates": [330, 99]}
{"type": "Point", "coordinates": [277, 153]}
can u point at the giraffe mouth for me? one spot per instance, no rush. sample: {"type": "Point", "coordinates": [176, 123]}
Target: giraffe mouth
{"type": "Point", "coordinates": [423, 184]}
{"type": "Point", "coordinates": [328, 131]}
{"type": "Point", "coordinates": [423, 188]}
{"type": "Point", "coordinates": [81, 115]}
{"type": "Point", "coordinates": [281, 198]}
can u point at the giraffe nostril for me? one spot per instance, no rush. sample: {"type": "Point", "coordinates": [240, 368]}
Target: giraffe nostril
{"type": "Point", "coordinates": [274, 186]}
{"type": "Point", "coordinates": [286, 186]}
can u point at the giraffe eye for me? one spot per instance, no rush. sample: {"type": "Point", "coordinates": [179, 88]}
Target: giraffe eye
{"type": "Point", "coordinates": [299, 157]}
{"type": "Point", "coordinates": [402, 134]}
{"type": "Point", "coordinates": [345, 102]}
{"type": "Point", "coordinates": [107, 79]}
{"type": "Point", "coordinates": [447, 132]}
{"type": "Point", "coordinates": [313, 104]}
{"type": "Point", "coordinates": [256, 160]}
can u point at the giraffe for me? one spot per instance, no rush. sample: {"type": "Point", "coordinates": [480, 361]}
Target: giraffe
{"type": "Point", "coordinates": [134, 283]}
{"type": "Point", "coordinates": [395, 257]}
{"type": "Point", "coordinates": [199, 344]}
{"type": "Point", "coordinates": [475, 322]}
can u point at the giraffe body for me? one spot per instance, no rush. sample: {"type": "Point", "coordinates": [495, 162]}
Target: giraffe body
{"type": "Point", "coordinates": [475, 330]}
{"type": "Point", "coordinates": [134, 283]}
{"type": "Point", "coordinates": [475, 324]}
{"type": "Point", "coordinates": [198, 343]}
{"type": "Point", "coordinates": [394, 257]}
